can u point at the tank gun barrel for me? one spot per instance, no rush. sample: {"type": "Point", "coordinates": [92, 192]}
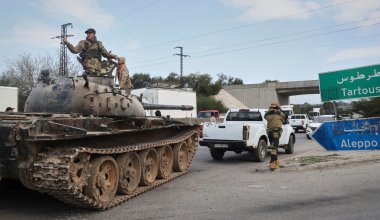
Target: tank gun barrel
{"type": "Point", "coordinates": [167, 107]}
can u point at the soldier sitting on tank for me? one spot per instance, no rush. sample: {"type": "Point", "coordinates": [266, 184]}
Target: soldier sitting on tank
{"type": "Point", "coordinates": [91, 51]}
{"type": "Point", "coordinates": [122, 74]}
{"type": "Point", "coordinates": [44, 77]}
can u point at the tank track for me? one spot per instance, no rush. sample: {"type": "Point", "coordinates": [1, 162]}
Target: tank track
{"type": "Point", "coordinates": [51, 171]}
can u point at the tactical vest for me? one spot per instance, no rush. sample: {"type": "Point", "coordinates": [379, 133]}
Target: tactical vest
{"type": "Point", "coordinates": [91, 52]}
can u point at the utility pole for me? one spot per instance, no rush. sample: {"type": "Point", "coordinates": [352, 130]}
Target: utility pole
{"type": "Point", "coordinates": [63, 50]}
{"type": "Point", "coordinates": [181, 62]}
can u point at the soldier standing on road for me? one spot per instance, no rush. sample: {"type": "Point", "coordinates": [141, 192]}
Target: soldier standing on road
{"type": "Point", "coordinates": [91, 51]}
{"type": "Point", "coordinates": [275, 118]}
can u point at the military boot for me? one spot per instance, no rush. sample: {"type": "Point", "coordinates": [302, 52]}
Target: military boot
{"type": "Point", "coordinates": [277, 162]}
{"type": "Point", "coordinates": [273, 166]}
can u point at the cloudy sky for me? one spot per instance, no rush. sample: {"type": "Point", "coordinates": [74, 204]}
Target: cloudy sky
{"type": "Point", "coordinates": [255, 40]}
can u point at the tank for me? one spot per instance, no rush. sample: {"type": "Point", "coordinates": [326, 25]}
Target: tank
{"type": "Point", "coordinates": [90, 145]}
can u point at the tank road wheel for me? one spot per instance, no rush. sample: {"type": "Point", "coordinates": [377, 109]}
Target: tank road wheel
{"type": "Point", "coordinates": [181, 157]}
{"type": "Point", "coordinates": [165, 156]}
{"type": "Point", "coordinates": [129, 172]}
{"type": "Point", "coordinates": [192, 141]}
{"type": "Point", "coordinates": [103, 181]}
{"type": "Point", "coordinates": [80, 170]}
{"type": "Point", "coordinates": [149, 166]}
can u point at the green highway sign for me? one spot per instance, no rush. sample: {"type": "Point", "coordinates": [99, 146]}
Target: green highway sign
{"type": "Point", "coordinates": [353, 83]}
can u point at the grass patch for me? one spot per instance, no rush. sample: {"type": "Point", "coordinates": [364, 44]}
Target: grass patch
{"type": "Point", "coordinates": [319, 159]}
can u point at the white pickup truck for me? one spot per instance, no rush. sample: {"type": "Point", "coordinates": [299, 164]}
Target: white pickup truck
{"type": "Point", "coordinates": [243, 130]}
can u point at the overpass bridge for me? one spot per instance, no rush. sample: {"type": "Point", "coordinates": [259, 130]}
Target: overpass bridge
{"type": "Point", "coordinates": [262, 94]}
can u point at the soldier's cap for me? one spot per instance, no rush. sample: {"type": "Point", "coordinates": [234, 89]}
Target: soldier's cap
{"type": "Point", "coordinates": [121, 60]}
{"type": "Point", "coordinates": [90, 30]}
{"type": "Point", "coordinates": [274, 105]}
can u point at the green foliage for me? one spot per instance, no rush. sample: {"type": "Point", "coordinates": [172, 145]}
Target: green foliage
{"type": "Point", "coordinates": [207, 103]}
{"type": "Point", "coordinates": [302, 109]}
{"type": "Point", "coordinates": [173, 79]}
{"type": "Point", "coordinates": [202, 84]}
{"type": "Point", "coordinates": [140, 80]}
{"type": "Point", "coordinates": [270, 81]}
{"type": "Point", "coordinates": [367, 107]}
{"type": "Point", "coordinates": [228, 80]}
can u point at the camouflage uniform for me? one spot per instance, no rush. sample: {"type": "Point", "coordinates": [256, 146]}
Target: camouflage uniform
{"type": "Point", "coordinates": [123, 76]}
{"type": "Point", "coordinates": [92, 54]}
{"type": "Point", "coordinates": [275, 117]}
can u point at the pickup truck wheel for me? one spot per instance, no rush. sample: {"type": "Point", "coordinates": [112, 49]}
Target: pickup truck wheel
{"type": "Point", "coordinates": [217, 154]}
{"type": "Point", "coordinates": [289, 149]}
{"type": "Point", "coordinates": [260, 152]}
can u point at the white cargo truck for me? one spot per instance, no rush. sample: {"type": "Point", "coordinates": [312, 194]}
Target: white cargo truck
{"type": "Point", "coordinates": [288, 110]}
{"type": "Point", "coordinates": [8, 98]}
{"type": "Point", "coordinates": [169, 97]}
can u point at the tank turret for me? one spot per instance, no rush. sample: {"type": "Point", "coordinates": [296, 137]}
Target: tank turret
{"type": "Point", "coordinates": [99, 97]}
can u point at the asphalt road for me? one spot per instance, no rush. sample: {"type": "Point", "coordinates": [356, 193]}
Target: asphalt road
{"type": "Point", "coordinates": [228, 189]}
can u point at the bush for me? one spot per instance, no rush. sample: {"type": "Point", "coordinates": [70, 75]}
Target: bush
{"type": "Point", "coordinates": [206, 103]}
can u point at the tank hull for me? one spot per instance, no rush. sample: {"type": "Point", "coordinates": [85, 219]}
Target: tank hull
{"type": "Point", "coordinates": [56, 153]}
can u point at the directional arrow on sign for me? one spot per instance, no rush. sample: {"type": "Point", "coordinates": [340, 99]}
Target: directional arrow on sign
{"type": "Point", "coordinates": [356, 134]}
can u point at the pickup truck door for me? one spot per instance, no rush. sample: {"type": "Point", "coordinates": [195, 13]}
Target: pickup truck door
{"type": "Point", "coordinates": [285, 135]}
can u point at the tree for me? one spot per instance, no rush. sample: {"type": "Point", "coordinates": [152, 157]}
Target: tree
{"type": "Point", "coordinates": [157, 79]}
{"type": "Point", "coordinates": [367, 107]}
{"type": "Point", "coordinates": [235, 81]}
{"type": "Point", "coordinates": [228, 80]}
{"type": "Point", "coordinates": [141, 80]}
{"type": "Point", "coordinates": [202, 84]}
{"type": "Point", "coordinates": [173, 79]}
{"type": "Point", "coordinates": [270, 81]}
{"type": "Point", "coordinates": [206, 103]}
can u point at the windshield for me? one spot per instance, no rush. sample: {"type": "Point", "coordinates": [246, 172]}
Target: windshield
{"type": "Point", "coordinates": [204, 114]}
{"type": "Point", "coordinates": [313, 113]}
{"type": "Point", "coordinates": [244, 116]}
{"type": "Point", "coordinates": [288, 112]}
{"type": "Point", "coordinates": [323, 119]}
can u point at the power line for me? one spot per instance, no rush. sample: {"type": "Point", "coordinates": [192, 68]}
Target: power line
{"type": "Point", "coordinates": [141, 8]}
{"type": "Point", "coordinates": [289, 40]}
{"type": "Point", "coordinates": [261, 40]}
{"type": "Point", "coordinates": [121, 4]}
{"type": "Point", "coordinates": [267, 44]}
{"type": "Point", "coordinates": [286, 35]}
{"type": "Point", "coordinates": [242, 26]}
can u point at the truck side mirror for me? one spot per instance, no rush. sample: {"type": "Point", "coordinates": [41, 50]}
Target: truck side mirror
{"type": "Point", "coordinates": [286, 121]}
